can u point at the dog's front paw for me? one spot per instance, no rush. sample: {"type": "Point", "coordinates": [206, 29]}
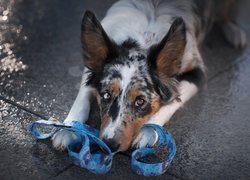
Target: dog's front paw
{"type": "Point", "coordinates": [62, 138]}
{"type": "Point", "coordinates": [234, 35]}
{"type": "Point", "coordinates": [146, 138]}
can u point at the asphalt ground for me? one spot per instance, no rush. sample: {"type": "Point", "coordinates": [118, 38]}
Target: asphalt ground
{"type": "Point", "coordinates": [40, 69]}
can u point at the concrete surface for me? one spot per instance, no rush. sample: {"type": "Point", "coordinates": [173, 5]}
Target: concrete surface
{"type": "Point", "coordinates": [40, 69]}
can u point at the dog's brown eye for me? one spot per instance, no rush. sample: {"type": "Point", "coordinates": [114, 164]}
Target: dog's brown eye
{"type": "Point", "coordinates": [139, 102]}
{"type": "Point", "coordinates": [106, 96]}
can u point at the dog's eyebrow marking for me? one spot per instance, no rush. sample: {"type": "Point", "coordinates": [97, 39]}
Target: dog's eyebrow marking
{"type": "Point", "coordinates": [133, 93]}
{"type": "Point", "coordinates": [115, 87]}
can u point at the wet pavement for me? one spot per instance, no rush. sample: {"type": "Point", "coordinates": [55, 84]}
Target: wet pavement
{"type": "Point", "coordinates": [40, 69]}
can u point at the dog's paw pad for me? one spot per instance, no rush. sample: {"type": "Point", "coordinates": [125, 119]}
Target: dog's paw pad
{"type": "Point", "coordinates": [62, 138]}
{"type": "Point", "coordinates": [234, 35]}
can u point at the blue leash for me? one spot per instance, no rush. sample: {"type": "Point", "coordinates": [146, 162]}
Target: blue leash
{"type": "Point", "coordinates": [98, 162]}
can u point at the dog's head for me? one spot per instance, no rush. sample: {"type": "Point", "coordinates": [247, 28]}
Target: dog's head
{"type": "Point", "coordinates": [132, 83]}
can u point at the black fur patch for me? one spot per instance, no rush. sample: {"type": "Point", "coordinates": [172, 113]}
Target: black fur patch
{"type": "Point", "coordinates": [114, 109]}
{"type": "Point", "coordinates": [93, 79]}
{"type": "Point", "coordinates": [195, 76]}
{"type": "Point", "coordinates": [130, 43]}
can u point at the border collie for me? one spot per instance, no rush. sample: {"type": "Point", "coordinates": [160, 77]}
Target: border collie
{"type": "Point", "coordinates": [142, 63]}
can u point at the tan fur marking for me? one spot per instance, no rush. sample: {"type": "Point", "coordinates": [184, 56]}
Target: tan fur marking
{"type": "Point", "coordinates": [115, 87]}
{"type": "Point", "coordinates": [133, 93]}
{"type": "Point", "coordinates": [133, 127]}
{"type": "Point", "coordinates": [55, 120]}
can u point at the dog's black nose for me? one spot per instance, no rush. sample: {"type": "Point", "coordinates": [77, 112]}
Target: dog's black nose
{"type": "Point", "coordinates": [112, 144]}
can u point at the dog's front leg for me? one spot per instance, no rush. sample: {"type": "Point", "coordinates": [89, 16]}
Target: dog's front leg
{"type": "Point", "coordinates": [147, 137]}
{"type": "Point", "coordinates": [78, 112]}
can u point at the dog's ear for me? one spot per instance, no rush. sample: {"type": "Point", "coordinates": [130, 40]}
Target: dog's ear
{"type": "Point", "coordinates": [165, 57]}
{"type": "Point", "coordinates": [97, 46]}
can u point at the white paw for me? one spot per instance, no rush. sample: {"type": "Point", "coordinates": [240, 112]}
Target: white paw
{"type": "Point", "coordinates": [146, 138]}
{"type": "Point", "coordinates": [62, 138]}
{"type": "Point", "coordinates": [234, 35]}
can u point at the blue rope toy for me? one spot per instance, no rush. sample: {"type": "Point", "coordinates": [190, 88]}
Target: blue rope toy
{"type": "Point", "coordinates": [100, 162]}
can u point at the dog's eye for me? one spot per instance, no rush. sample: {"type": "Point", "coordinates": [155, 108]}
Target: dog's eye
{"type": "Point", "coordinates": [139, 102]}
{"type": "Point", "coordinates": [106, 96]}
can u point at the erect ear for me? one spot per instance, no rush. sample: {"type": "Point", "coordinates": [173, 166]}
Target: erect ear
{"type": "Point", "coordinates": [97, 46]}
{"type": "Point", "coordinates": [166, 56]}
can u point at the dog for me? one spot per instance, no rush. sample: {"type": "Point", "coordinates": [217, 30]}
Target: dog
{"type": "Point", "coordinates": [142, 63]}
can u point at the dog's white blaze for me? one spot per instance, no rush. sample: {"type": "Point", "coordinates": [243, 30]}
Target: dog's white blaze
{"type": "Point", "coordinates": [112, 127]}
{"type": "Point", "coordinates": [127, 73]}
{"type": "Point", "coordinates": [109, 132]}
